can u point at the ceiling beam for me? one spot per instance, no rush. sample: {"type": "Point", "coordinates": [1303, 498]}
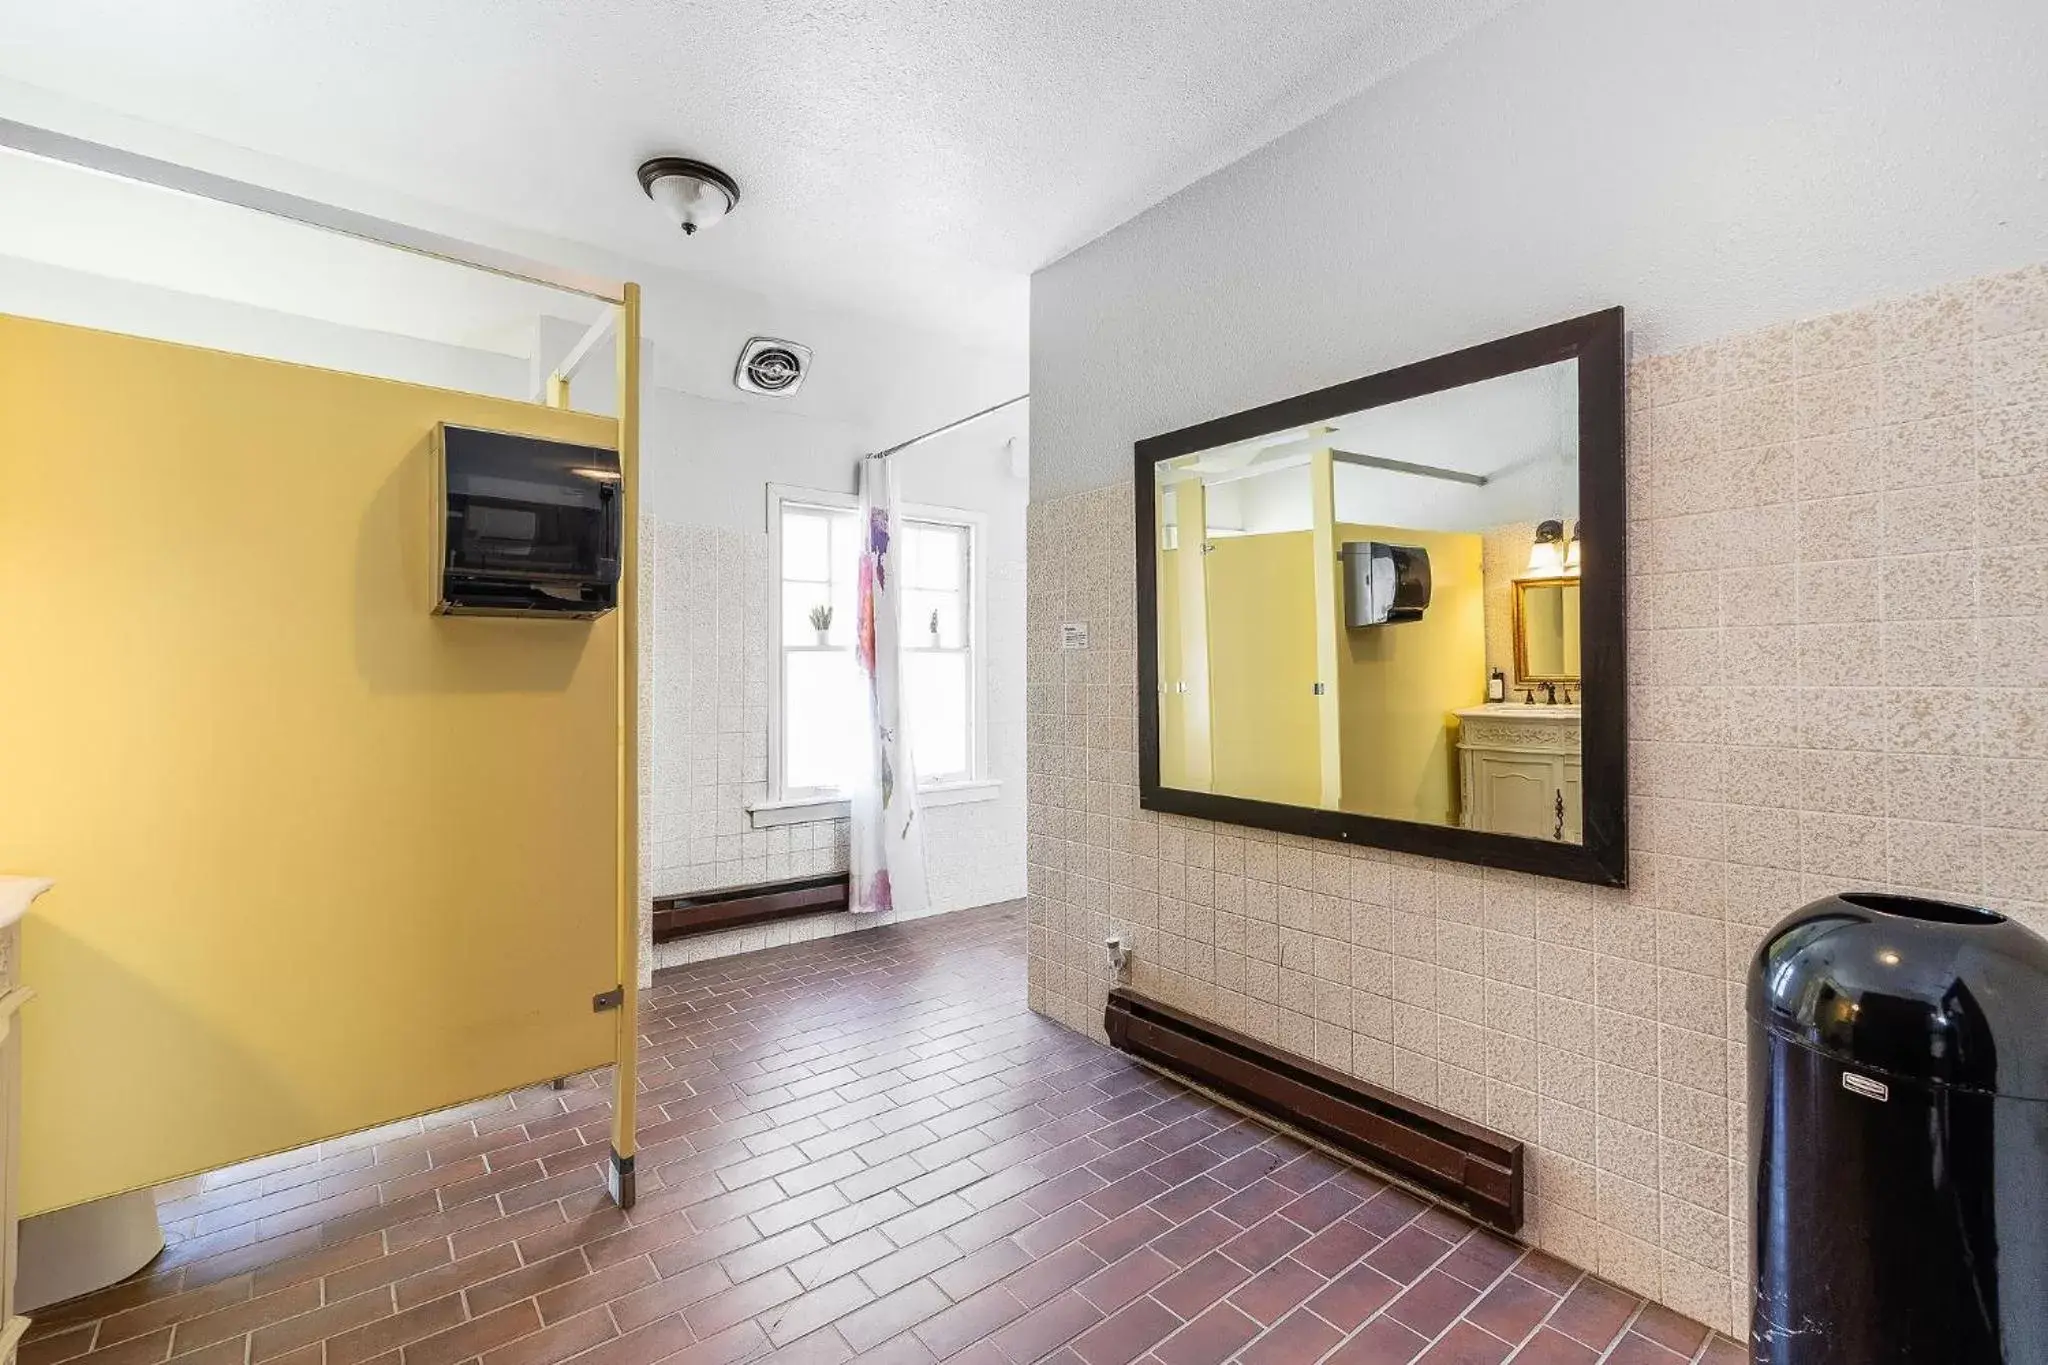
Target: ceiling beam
{"type": "Point", "coordinates": [148, 170]}
{"type": "Point", "coordinates": [1427, 471]}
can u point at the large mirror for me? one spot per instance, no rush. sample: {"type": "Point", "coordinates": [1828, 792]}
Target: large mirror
{"type": "Point", "coordinates": [1391, 611]}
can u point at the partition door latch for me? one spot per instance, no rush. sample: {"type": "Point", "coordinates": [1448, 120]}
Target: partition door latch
{"type": "Point", "coordinates": [608, 1000]}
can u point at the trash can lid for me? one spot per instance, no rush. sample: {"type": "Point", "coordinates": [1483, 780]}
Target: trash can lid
{"type": "Point", "coordinates": [1919, 989]}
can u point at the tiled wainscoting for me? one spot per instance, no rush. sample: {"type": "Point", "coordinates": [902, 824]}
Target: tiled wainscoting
{"type": "Point", "coordinates": [865, 1148]}
{"type": "Point", "coordinates": [1838, 587]}
{"type": "Point", "coordinates": [704, 727]}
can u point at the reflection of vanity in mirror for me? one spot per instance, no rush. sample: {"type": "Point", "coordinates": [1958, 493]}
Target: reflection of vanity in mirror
{"type": "Point", "coordinates": [1518, 761]}
{"type": "Point", "coordinates": [1371, 608]}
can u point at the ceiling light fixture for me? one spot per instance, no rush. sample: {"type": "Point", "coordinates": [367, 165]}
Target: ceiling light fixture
{"type": "Point", "coordinates": [693, 194]}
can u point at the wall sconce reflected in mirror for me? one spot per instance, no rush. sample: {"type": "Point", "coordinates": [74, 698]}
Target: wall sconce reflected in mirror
{"type": "Point", "coordinates": [1554, 553]}
{"type": "Point", "coordinates": [1546, 556]}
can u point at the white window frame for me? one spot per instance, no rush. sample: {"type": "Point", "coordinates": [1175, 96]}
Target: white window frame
{"type": "Point", "coordinates": [782, 807]}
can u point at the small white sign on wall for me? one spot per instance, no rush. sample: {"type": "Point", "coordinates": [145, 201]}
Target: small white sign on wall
{"type": "Point", "coordinates": [1073, 635]}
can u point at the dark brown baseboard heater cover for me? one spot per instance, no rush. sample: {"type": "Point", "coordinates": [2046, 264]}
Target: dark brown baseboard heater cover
{"type": "Point", "coordinates": [702, 912]}
{"type": "Point", "coordinates": [1464, 1164]}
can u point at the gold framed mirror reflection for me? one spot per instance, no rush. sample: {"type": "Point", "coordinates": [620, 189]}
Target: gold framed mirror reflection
{"type": "Point", "coordinates": [1546, 630]}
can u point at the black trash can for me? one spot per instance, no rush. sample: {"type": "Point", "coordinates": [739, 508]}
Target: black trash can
{"type": "Point", "coordinates": [1898, 1128]}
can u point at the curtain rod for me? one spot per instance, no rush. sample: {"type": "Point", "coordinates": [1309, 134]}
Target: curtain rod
{"type": "Point", "coordinates": [941, 431]}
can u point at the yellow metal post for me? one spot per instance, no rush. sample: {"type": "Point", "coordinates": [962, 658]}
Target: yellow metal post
{"type": "Point", "coordinates": [558, 390]}
{"type": "Point", "coordinates": [1329, 591]}
{"type": "Point", "coordinates": [626, 1072]}
{"type": "Point", "coordinates": [1191, 501]}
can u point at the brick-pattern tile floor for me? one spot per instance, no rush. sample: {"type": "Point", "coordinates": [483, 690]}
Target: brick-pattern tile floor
{"type": "Point", "coordinates": [861, 1148]}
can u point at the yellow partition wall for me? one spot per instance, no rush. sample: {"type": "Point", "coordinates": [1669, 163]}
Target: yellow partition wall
{"type": "Point", "coordinates": [323, 860]}
{"type": "Point", "coordinates": [1263, 713]}
{"type": "Point", "coordinates": [1399, 684]}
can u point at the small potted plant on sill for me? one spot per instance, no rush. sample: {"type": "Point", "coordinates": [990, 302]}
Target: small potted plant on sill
{"type": "Point", "coordinates": [821, 621]}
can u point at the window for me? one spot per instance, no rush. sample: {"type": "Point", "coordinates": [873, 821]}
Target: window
{"type": "Point", "coordinates": [819, 711]}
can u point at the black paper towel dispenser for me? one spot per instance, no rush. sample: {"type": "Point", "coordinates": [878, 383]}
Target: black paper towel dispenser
{"type": "Point", "coordinates": [526, 527]}
{"type": "Point", "coordinates": [1383, 584]}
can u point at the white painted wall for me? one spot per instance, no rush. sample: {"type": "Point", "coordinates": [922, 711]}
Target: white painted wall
{"type": "Point", "coordinates": [36, 290]}
{"type": "Point", "coordinates": [1714, 168]}
{"type": "Point", "coordinates": [1283, 501]}
{"type": "Point", "coordinates": [706, 466]}
{"type": "Point", "coordinates": [706, 473]}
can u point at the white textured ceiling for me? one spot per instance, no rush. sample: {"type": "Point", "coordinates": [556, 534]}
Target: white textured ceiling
{"type": "Point", "coordinates": [911, 158]}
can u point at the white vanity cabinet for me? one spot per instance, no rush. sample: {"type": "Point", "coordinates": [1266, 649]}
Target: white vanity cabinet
{"type": "Point", "coordinates": [12, 996]}
{"type": "Point", "coordinates": [15, 895]}
{"type": "Point", "coordinates": [1518, 771]}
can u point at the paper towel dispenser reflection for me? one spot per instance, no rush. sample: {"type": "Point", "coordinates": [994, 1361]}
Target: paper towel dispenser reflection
{"type": "Point", "coordinates": [1383, 584]}
{"type": "Point", "coordinates": [525, 527]}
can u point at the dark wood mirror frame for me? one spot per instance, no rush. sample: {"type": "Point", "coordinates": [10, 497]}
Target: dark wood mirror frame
{"type": "Point", "coordinates": [1595, 341]}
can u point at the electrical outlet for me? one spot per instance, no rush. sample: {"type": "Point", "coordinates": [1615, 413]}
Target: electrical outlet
{"type": "Point", "coordinates": [1117, 950]}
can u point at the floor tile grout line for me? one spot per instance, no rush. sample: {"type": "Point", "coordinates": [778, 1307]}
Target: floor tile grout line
{"type": "Point", "coordinates": [1582, 1277]}
{"type": "Point", "coordinates": [1344, 1337]}
{"type": "Point", "coordinates": [1515, 1347]}
{"type": "Point", "coordinates": [1614, 1342]}
{"type": "Point", "coordinates": [1447, 1327]}
{"type": "Point", "coordinates": [1381, 1311]}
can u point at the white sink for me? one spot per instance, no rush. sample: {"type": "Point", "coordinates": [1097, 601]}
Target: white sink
{"type": "Point", "coordinates": [15, 895]}
{"type": "Point", "coordinates": [1516, 708]}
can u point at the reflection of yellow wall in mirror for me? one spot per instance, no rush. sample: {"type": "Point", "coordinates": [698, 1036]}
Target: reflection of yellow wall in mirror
{"type": "Point", "coordinates": [1398, 684]}
{"type": "Point", "coordinates": [1262, 668]}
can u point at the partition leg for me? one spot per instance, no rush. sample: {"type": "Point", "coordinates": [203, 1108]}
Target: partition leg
{"type": "Point", "coordinates": [626, 1067]}
{"type": "Point", "coordinates": [618, 1181]}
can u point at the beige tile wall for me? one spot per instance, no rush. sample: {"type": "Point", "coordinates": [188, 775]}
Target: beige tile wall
{"type": "Point", "coordinates": [1504, 555]}
{"type": "Point", "coordinates": [1838, 677]}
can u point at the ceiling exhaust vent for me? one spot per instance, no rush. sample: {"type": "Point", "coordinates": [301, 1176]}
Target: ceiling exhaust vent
{"type": "Point", "coordinates": [772, 367]}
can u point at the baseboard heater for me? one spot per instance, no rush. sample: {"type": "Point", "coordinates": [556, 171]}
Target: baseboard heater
{"type": "Point", "coordinates": [1466, 1165]}
{"type": "Point", "coordinates": [729, 907]}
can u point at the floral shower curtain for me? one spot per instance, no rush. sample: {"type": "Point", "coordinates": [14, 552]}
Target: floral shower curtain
{"type": "Point", "coordinates": [887, 856]}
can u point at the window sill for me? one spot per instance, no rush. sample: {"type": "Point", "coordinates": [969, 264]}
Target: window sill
{"type": "Point", "coordinates": [804, 809]}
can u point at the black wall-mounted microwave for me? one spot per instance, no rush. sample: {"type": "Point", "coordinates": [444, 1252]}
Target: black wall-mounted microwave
{"type": "Point", "coordinates": [525, 527]}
